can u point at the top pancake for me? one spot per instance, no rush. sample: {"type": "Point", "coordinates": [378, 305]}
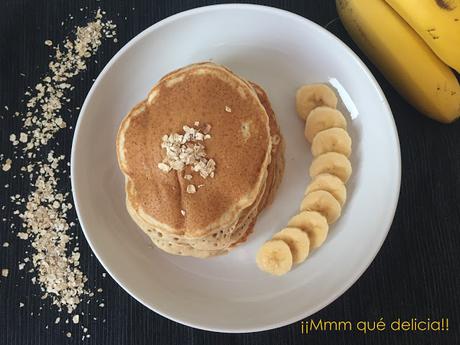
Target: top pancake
{"type": "Point", "coordinates": [240, 145]}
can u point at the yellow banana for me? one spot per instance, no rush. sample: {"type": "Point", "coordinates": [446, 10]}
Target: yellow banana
{"type": "Point", "coordinates": [403, 57]}
{"type": "Point", "coordinates": [437, 22]}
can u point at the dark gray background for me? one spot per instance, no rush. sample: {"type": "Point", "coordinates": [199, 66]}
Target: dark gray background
{"type": "Point", "coordinates": [416, 274]}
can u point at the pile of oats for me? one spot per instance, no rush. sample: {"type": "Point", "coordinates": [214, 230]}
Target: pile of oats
{"type": "Point", "coordinates": [188, 149]}
{"type": "Point", "coordinates": [43, 213]}
{"type": "Point", "coordinates": [44, 221]}
{"type": "Point", "coordinates": [42, 120]}
{"type": "Point", "coordinates": [7, 165]}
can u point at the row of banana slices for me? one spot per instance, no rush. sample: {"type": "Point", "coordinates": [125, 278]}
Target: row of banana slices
{"type": "Point", "coordinates": [326, 130]}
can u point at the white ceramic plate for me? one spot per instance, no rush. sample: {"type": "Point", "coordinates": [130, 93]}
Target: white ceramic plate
{"type": "Point", "coordinates": [280, 51]}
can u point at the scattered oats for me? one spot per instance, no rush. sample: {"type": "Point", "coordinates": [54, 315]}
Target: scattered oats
{"type": "Point", "coordinates": [188, 177]}
{"type": "Point", "coordinates": [60, 122]}
{"type": "Point", "coordinates": [23, 235]}
{"type": "Point", "coordinates": [197, 123]}
{"type": "Point", "coordinates": [44, 212]}
{"type": "Point", "coordinates": [200, 185]}
{"type": "Point", "coordinates": [21, 266]}
{"type": "Point", "coordinates": [104, 275]}
{"type": "Point", "coordinates": [6, 244]}
{"type": "Point", "coordinates": [68, 335]}
{"type": "Point", "coordinates": [99, 290]}
{"type": "Point", "coordinates": [182, 212]}
{"type": "Point", "coordinates": [228, 109]}
{"type": "Point", "coordinates": [42, 119]}
{"type": "Point", "coordinates": [7, 165]}
{"type": "Point", "coordinates": [23, 137]}
{"type": "Point", "coordinates": [85, 330]}
{"type": "Point", "coordinates": [58, 319]}
{"type": "Point", "coordinates": [101, 305]}
{"type": "Point", "coordinates": [5, 272]}
{"type": "Point", "coordinates": [21, 304]}
{"type": "Point", "coordinates": [76, 318]}
{"type": "Point", "coordinates": [6, 107]}
{"type": "Point", "coordinates": [191, 189]}
{"type": "Point", "coordinates": [58, 274]}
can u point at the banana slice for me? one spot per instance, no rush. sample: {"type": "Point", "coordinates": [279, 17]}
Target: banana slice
{"type": "Point", "coordinates": [331, 184]}
{"type": "Point", "coordinates": [314, 224]}
{"type": "Point", "coordinates": [274, 257]}
{"type": "Point", "coordinates": [298, 242]}
{"type": "Point", "coordinates": [311, 96]}
{"type": "Point", "coordinates": [322, 118]}
{"type": "Point", "coordinates": [331, 140]}
{"type": "Point", "coordinates": [332, 163]}
{"type": "Point", "coordinates": [324, 203]}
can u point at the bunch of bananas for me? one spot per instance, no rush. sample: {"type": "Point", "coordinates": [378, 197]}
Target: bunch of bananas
{"type": "Point", "coordinates": [415, 44]}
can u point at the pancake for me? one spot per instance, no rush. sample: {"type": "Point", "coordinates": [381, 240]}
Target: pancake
{"type": "Point", "coordinates": [240, 145]}
{"type": "Point", "coordinates": [211, 232]}
{"type": "Point", "coordinates": [214, 244]}
{"type": "Point", "coordinates": [278, 147]}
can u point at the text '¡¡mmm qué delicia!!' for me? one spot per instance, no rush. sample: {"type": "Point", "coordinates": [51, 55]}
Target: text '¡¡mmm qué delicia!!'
{"type": "Point", "coordinates": [397, 325]}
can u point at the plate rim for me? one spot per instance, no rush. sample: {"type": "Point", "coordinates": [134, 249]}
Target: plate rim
{"type": "Point", "coordinates": [276, 11]}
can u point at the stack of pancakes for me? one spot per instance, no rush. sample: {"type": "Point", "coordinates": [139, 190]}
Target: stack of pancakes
{"type": "Point", "coordinates": [245, 143]}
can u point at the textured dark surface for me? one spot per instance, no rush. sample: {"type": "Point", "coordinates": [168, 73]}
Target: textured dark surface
{"type": "Point", "coordinates": [416, 274]}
